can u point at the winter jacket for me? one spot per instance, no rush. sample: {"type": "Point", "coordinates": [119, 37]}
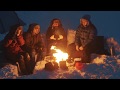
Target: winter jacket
{"type": "Point", "coordinates": [13, 44]}
{"type": "Point", "coordinates": [59, 31]}
{"type": "Point", "coordinates": [85, 35]}
{"type": "Point", "coordinates": [33, 41]}
{"type": "Point", "coordinates": [61, 44]}
{"type": "Point", "coordinates": [56, 32]}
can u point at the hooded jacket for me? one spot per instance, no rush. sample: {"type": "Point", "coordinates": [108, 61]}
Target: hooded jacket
{"type": "Point", "coordinates": [55, 31]}
{"type": "Point", "coordinates": [12, 44]}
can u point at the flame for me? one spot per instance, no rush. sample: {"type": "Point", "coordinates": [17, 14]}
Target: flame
{"type": "Point", "coordinates": [59, 55]}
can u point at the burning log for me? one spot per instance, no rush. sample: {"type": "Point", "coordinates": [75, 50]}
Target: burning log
{"type": "Point", "coordinates": [62, 65]}
{"type": "Point", "coordinates": [60, 58]}
{"type": "Point", "coordinates": [51, 66]}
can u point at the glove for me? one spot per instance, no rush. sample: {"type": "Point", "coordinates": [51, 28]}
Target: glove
{"type": "Point", "coordinates": [60, 37]}
{"type": "Point", "coordinates": [81, 48]}
{"type": "Point", "coordinates": [77, 47]}
{"type": "Point", "coordinates": [52, 37]}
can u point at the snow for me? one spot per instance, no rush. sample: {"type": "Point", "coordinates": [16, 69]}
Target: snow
{"type": "Point", "coordinates": [102, 67]}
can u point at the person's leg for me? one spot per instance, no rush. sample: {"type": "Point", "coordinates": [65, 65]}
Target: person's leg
{"type": "Point", "coordinates": [21, 63]}
{"type": "Point", "coordinates": [28, 63]}
{"type": "Point", "coordinates": [39, 56]}
{"type": "Point", "coordinates": [32, 63]}
{"type": "Point", "coordinates": [71, 49]}
{"type": "Point", "coordinates": [88, 50]}
{"type": "Point", "coordinates": [86, 58]}
{"type": "Point", "coordinates": [71, 52]}
{"type": "Point", "coordinates": [49, 48]}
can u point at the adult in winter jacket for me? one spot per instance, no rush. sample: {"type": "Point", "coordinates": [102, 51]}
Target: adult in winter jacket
{"type": "Point", "coordinates": [34, 43]}
{"type": "Point", "coordinates": [13, 43]}
{"type": "Point", "coordinates": [56, 35]}
{"type": "Point", "coordinates": [84, 40]}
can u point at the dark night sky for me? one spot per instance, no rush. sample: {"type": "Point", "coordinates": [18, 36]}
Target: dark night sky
{"type": "Point", "coordinates": [107, 22]}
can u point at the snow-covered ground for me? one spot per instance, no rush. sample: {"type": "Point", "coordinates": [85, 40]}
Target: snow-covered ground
{"type": "Point", "coordinates": [102, 67]}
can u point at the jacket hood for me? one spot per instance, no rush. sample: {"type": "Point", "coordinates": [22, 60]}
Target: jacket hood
{"type": "Point", "coordinates": [31, 26]}
{"type": "Point", "coordinates": [55, 19]}
{"type": "Point", "coordinates": [13, 30]}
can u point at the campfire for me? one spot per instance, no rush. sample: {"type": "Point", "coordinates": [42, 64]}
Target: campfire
{"type": "Point", "coordinates": [59, 55]}
{"type": "Point", "coordinates": [58, 59]}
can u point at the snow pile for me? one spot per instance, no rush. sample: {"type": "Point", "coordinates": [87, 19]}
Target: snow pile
{"type": "Point", "coordinates": [98, 59]}
{"type": "Point", "coordinates": [8, 72]}
{"type": "Point", "coordinates": [70, 36]}
{"type": "Point", "coordinates": [103, 67]}
{"type": "Point", "coordinates": [112, 42]}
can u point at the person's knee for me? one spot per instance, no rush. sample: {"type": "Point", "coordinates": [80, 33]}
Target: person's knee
{"type": "Point", "coordinates": [21, 59]}
{"type": "Point", "coordinates": [27, 57]}
{"type": "Point", "coordinates": [33, 53]}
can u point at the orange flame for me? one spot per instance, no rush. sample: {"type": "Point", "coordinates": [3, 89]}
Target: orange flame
{"type": "Point", "coordinates": [59, 55]}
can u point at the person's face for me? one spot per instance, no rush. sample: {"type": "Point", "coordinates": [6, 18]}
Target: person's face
{"type": "Point", "coordinates": [36, 29]}
{"type": "Point", "coordinates": [55, 23]}
{"type": "Point", "coordinates": [84, 22]}
{"type": "Point", "coordinates": [19, 30]}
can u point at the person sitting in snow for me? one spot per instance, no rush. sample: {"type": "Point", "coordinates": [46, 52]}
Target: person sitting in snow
{"type": "Point", "coordinates": [13, 48]}
{"type": "Point", "coordinates": [34, 44]}
{"type": "Point", "coordinates": [84, 40]}
{"type": "Point", "coordinates": [56, 35]}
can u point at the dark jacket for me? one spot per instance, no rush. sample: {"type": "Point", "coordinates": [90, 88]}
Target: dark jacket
{"type": "Point", "coordinates": [33, 41]}
{"type": "Point", "coordinates": [13, 44]}
{"type": "Point", "coordinates": [55, 31]}
{"type": "Point", "coordinates": [58, 31]}
{"type": "Point", "coordinates": [85, 35]}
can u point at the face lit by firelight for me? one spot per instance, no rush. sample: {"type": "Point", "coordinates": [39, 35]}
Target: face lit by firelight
{"type": "Point", "coordinates": [84, 22]}
{"type": "Point", "coordinates": [36, 29]}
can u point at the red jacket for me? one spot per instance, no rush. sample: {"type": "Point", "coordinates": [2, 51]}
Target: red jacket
{"type": "Point", "coordinates": [13, 47]}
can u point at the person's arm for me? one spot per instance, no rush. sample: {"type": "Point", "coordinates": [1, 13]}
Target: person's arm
{"type": "Point", "coordinates": [77, 37]}
{"type": "Point", "coordinates": [20, 40]}
{"type": "Point", "coordinates": [92, 35]}
{"type": "Point", "coordinates": [28, 44]}
{"type": "Point", "coordinates": [6, 43]}
{"type": "Point", "coordinates": [62, 35]}
{"type": "Point", "coordinates": [48, 34]}
{"type": "Point", "coordinates": [40, 45]}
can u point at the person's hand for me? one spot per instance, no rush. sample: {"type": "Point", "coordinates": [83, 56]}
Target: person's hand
{"type": "Point", "coordinates": [52, 37]}
{"type": "Point", "coordinates": [81, 48]}
{"type": "Point", "coordinates": [77, 47]}
{"type": "Point", "coordinates": [60, 37]}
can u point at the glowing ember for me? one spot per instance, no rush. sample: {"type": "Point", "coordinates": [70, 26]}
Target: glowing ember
{"type": "Point", "coordinates": [59, 55]}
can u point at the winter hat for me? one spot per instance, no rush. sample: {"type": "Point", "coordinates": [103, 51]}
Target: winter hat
{"type": "Point", "coordinates": [87, 17]}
